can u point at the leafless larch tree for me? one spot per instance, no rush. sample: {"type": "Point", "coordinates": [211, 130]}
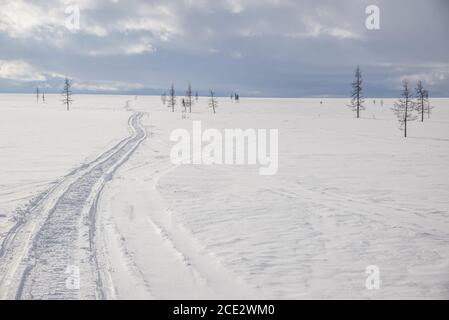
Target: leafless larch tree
{"type": "Point", "coordinates": [67, 94]}
{"type": "Point", "coordinates": [189, 100]}
{"type": "Point", "coordinates": [404, 108]}
{"type": "Point", "coordinates": [422, 97]}
{"type": "Point", "coordinates": [172, 98]}
{"type": "Point", "coordinates": [357, 98]}
{"type": "Point", "coordinates": [213, 103]}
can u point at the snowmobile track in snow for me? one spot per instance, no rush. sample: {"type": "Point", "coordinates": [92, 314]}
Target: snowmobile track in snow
{"type": "Point", "coordinates": [52, 242]}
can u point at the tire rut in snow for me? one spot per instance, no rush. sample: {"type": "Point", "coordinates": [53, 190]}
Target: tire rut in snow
{"type": "Point", "coordinates": [64, 243]}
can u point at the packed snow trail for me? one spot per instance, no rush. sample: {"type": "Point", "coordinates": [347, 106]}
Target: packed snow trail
{"type": "Point", "coordinates": [53, 242]}
{"type": "Point", "coordinates": [144, 249]}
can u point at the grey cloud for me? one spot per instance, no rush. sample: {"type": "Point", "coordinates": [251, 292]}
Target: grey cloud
{"type": "Point", "coordinates": [258, 47]}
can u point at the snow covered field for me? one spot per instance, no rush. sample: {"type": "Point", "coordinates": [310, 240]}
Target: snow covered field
{"type": "Point", "coordinates": [349, 193]}
{"type": "Point", "coordinates": [41, 143]}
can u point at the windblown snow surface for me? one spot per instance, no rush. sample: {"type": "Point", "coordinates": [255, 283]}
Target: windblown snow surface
{"type": "Point", "coordinates": [40, 143]}
{"type": "Point", "coordinates": [349, 193]}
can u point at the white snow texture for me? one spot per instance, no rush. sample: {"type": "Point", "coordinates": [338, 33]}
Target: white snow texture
{"type": "Point", "coordinates": [91, 206]}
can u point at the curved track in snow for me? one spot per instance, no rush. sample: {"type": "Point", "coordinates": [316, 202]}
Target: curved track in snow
{"type": "Point", "coordinates": [52, 241]}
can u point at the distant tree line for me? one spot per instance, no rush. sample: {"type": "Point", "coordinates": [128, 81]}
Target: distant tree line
{"type": "Point", "coordinates": [66, 94]}
{"type": "Point", "coordinates": [190, 98]}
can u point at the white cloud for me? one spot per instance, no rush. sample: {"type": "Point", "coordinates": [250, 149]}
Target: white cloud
{"type": "Point", "coordinates": [236, 55]}
{"type": "Point", "coordinates": [20, 71]}
{"type": "Point", "coordinates": [234, 6]}
{"type": "Point", "coordinates": [341, 33]}
{"type": "Point", "coordinates": [160, 20]}
{"type": "Point", "coordinates": [139, 48]}
{"type": "Point", "coordinates": [160, 28]}
{"type": "Point", "coordinates": [314, 29]}
{"type": "Point", "coordinates": [21, 19]}
{"type": "Point", "coordinates": [430, 78]}
{"type": "Point", "coordinates": [106, 86]}
{"type": "Point", "coordinates": [196, 30]}
{"type": "Point", "coordinates": [136, 47]}
{"type": "Point", "coordinates": [95, 30]}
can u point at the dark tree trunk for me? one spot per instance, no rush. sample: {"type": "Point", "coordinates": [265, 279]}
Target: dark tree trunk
{"type": "Point", "coordinates": [422, 109]}
{"type": "Point", "coordinates": [405, 120]}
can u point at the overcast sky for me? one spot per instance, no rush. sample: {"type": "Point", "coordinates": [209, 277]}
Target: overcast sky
{"type": "Point", "coordinates": [291, 48]}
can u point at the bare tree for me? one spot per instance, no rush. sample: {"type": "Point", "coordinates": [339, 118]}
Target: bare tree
{"type": "Point", "coordinates": [196, 96]}
{"type": "Point", "coordinates": [67, 94]}
{"type": "Point", "coordinates": [189, 98]}
{"type": "Point", "coordinates": [43, 97]}
{"type": "Point", "coordinates": [357, 98]}
{"type": "Point", "coordinates": [213, 103]}
{"type": "Point", "coordinates": [37, 94]}
{"type": "Point", "coordinates": [172, 98]}
{"type": "Point", "coordinates": [403, 108]}
{"type": "Point", "coordinates": [164, 98]}
{"type": "Point", "coordinates": [422, 97]}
